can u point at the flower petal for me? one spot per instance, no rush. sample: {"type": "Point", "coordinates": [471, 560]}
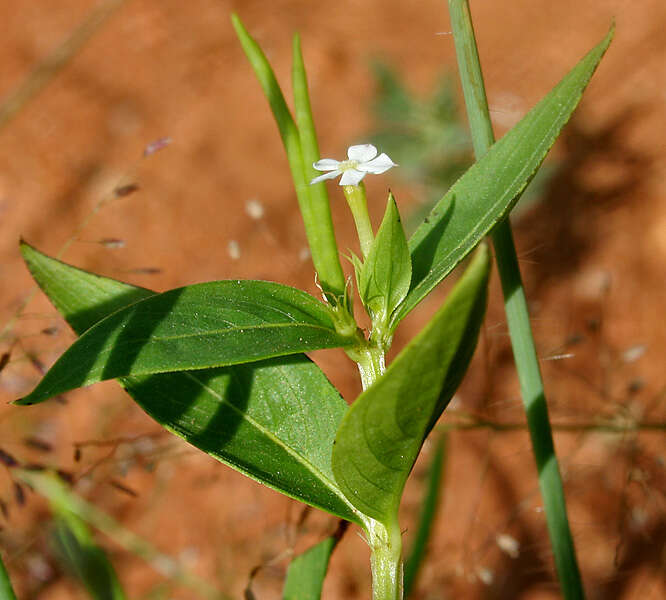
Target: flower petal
{"type": "Point", "coordinates": [377, 165]}
{"type": "Point", "coordinates": [331, 175]}
{"type": "Point", "coordinates": [351, 177]}
{"type": "Point", "coordinates": [326, 164]}
{"type": "Point", "coordinates": [362, 153]}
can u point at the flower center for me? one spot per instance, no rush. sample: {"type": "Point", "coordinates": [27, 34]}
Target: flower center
{"type": "Point", "coordinates": [345, 165]}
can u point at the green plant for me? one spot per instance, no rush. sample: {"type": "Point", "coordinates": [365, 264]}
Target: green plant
{"type": "Point", "coordinates": [223, 364]}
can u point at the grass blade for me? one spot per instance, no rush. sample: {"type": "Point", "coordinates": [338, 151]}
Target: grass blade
{"type": "Point", "coordinates": [527, 364]}
{"type": "Point", "coordinates": [83, 558]}
{"type": "Point", "coordinates": [57, 493]}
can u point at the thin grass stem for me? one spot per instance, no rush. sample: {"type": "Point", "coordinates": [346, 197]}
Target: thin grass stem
{"type": "Point", "coordinates": [527, 364]}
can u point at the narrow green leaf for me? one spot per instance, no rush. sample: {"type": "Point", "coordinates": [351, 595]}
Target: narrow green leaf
{"type": "Point", "coordinates": [387, 271]}
{"type": "Point", "coordinates": [382, 433]}
{"type": "Point", "coordinates": [485, 194]}
{"type": "Point", "coordinates": [314, 209]}
{"type": "Point", "coordinates": [6, 589]}
{"type": "Point", "coordinates": [200, 326]}
{"type": "Point", "coordinates": [274, 421]}
{"type": "Point", "coordinates": [517, 315]}
{"type": "Point", "coordinates": [319, 209]}
{"type": "Point", "coordinates": [83, 558]}
{"type": "Point", "coordinates": [429, 508]}
{"type": "Point", "coordinates": [306, 573]}
{"type": "Point", "coordinates": [273, 93]}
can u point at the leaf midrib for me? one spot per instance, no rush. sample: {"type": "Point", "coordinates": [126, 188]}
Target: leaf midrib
{"type": "Point", "coordinates": [278, 442]}
{"type": "Point", "coordinates": [231, 329]}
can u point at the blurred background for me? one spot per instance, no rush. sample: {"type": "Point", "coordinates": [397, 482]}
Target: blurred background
{"type": "Point", "coordinates": [86, 87]}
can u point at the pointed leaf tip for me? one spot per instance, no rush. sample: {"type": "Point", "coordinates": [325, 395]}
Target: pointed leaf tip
{"type": "Point", "coordinates": [489, 189]}
{"type": "Point", "coordinates": [206, 325]}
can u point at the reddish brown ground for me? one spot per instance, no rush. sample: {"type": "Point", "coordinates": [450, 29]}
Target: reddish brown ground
{"type": "Point", "coordinates": [593, 255]}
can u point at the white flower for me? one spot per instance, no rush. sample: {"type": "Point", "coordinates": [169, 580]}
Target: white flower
{"type": "Point", "coordinates": [362, 159]}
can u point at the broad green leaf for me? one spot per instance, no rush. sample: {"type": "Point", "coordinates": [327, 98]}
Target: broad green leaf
{"type": "Point", "coordinates": [213, 324]}
{"type": "Point", "coordinates": [83, 558]}
{"type": "Point", "coordinates": [306, 572]}
{"type": "Point", "coordinates": [485, 194]}
{"type": "Point", "coordinates": [300, 148]}
{"type": "Point", "coordinates": [429, 508]}
{"type": "Point", "coordinates": [6, 589]}
{"type": "Point", "coordinates": [381, 435]}
{"type": "Point", "coordinates": [387, 271]}
{"type": "Point", "coordinates": [274, 421]}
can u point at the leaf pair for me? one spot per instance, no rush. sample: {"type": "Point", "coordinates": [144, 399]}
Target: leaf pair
{"type": "Point", "coordinates": [272, 420]}
{"type": "Point", "coordinates": [300, 142]}
{"type": "Point", "coordinates": [381, 434]}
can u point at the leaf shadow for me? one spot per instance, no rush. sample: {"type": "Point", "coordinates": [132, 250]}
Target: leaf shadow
{"type": "Point", "coordinates": [142, 320]}
{"type": "Point", "coordinates": [424, 254]}
{"type": "Point", "coordinates": [82, 320]}
{"type": "Point", "coordinates": [224, 412]}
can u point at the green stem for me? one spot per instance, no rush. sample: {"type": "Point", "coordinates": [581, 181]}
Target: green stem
{"type": "Point", "coordinates": [385, 541]}
{"type": "Point", "coordinates": [517, 315]}
{"type": "Point", "coordinates": [385, 560]}
{"type": "Point", "coordinates": [371, 365]}
{"type": "Point", "coordinates": [358, 205]}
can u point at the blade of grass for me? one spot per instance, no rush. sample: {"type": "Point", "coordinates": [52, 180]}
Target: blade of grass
{"type": "Point", "coordinates": [6, 590]}
{"type": "Point", "coordinates": [429, 508]}
{"type": "Point", "coordinates": [517, 314]}
{"type": "Point", "coordinates": [318, 226]}
{"type": "Point", "coordinates": [46, 70]}
{"type": "Point", "coordinates": [57, 493]}
{"type": "Point", "coordinates": [83, 558]}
